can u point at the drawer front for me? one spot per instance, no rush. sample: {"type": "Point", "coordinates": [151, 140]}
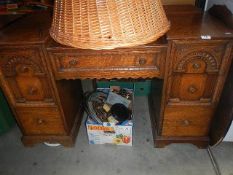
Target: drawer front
{"type": "Point", "coordinates": [25, 76]}
{"type": "Point", "coordinates": [198, 56]}
{"type": "Point", "coordinates": [193, 88]}
{"type": "Point", "coordinates": [196, 75]}
{"type": "Point", "coordinates": [37, 121]}
{"type": "Point", "coordinates": [109, 64]}
{"type": "Point", "coordinates": [187, 121]}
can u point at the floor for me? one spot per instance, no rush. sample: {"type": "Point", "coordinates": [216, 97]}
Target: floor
{"type": "Point", "coordinates": [85, 159]}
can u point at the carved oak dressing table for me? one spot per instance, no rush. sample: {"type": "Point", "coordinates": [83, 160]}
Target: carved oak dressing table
{"type": "Point", "coordinates": [41, 78]}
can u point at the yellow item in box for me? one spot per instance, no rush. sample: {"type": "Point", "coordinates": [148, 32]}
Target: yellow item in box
{"type": "Point", "coordinates": [106, 108]}
{"type": "Point", "coordinates": [110, 132]}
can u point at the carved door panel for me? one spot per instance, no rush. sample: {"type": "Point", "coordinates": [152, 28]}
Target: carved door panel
{"type": "Point", "coordinates": [25, 76]}
{"type": "Point", "coordinates": [30, 86]}
{"type": "Point", "coordinates": [199, 88]}
{"type": "Point", "coordinates": [192, 87]}
{"type": "Point", "coordinates": [195, 75]}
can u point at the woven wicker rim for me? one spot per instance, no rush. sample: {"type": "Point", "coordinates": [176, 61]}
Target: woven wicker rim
{"type": "Point", "coordinates": [100, 26]}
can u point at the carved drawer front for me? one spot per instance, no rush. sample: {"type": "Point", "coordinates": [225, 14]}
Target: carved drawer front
{"type": "Point", "coordinates": [25, 76]}
{"type": "Point", "coordinates": [36, 121]}
{"type": "Point", "coordinates": [192, 88]}
{"type": "Point", "coordinates": [198, 56]}
{"type": "Point", "coordinates": [109, 64]}
{"type": "Point", "coordinates": [195, 72]}
{"type": "Point", "coordinates": [187, 121]}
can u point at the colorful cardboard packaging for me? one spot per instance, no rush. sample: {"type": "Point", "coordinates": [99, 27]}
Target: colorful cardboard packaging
{"type": "Point", "coordinates": [110, 133]}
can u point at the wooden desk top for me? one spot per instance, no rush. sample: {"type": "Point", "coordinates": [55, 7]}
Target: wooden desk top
{"type": "Point", "coordinates": [187, 22]}
{"type": "Point", "coordinates": [8, 19]}
{"type": "Point", "coordinates": [30, 29]}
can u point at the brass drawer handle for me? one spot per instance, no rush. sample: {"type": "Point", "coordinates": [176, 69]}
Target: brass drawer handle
{"type": "Point", "coordinates": [32, 91]}
{"type": "Point", "coordinates": [73, 62]}
{"type": "Point", "coordinates": [196, 66]}
{"type": "Point", "coordinates": [142, 61]}
{"type": "Point", "coordinates": [185, 122]}
{"type": "Point", "coordinates": [192, 89]}
{"type": "Point", "coordinates": [24, 69]}
{"type": "Point", "coordinates": [21, 100]}
{"type": "Point", "coordinates": [40, 121]}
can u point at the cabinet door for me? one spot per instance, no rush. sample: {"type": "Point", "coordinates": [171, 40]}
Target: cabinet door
{"type": "Point", "coordinates": [24, 75]}
{"type": "Point", "coordinates": [197, 70]}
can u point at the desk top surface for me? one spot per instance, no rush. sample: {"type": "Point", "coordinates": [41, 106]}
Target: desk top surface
{"type": "Point", "coordinates": [187, 22]}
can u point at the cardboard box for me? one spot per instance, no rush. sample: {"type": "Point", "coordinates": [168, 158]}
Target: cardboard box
{"type": "Point", "coordinates": [109, 133]}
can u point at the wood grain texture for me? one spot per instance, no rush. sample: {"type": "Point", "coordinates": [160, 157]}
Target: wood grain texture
{"type": "Point", "coordinates": [25, 74]}
{"type": "Point", "coordinates": [195, 73]}
{"type": "Point", "coordinates": [137, 62]}
{"type": "Point", "coordinates": [41, 78]}
{"type": "Point", "coordinates": [195, 76]}
{"type": "Point", "coordinates": [71, 98]}
{"type": "Point", "coordinates": [6, 20]}
{"type": "Point", "coordinates": [46, 110]}
{"type": "Point", "coordinates": [41, 121]}
{"type": "Point", "coordinates": [65, 140]}
{"type": "Point", "coordinates": [190, 23]}
{"type": "Point", "coordinates": [31, 29]}
{"type": "Point", "coordinates": [187, 121]}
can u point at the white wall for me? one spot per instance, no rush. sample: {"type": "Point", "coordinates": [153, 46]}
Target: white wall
{"type": "Point", "coordinates": [228, 3]}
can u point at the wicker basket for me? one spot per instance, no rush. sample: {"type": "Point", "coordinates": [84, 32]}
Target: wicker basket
{"type": "Point", "coordinates": [108, 24]}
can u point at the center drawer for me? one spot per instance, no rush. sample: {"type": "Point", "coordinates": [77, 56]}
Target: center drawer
{"type": "Point", "coordinates": [107, 64]}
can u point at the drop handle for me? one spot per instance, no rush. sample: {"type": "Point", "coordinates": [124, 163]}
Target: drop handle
{"type": "Point", "coordinates": [142, 61]}
{"type": "Point", "coordinates": [196, 66]}
{"type": "Point", "coordinates": [24, 69]}
{"type": "Point", "coordinates": [32, 91]}
{"type": "Point", "coordinates": [185, 122]}
{"type": "Point", "coordinates": [192, 89]}
{"type": "Point", "coordinates": [73, 62]}
{"type": "Point", "coordinates": [40, 121]}
{"type": "Point", "coordinates": [21, 100]}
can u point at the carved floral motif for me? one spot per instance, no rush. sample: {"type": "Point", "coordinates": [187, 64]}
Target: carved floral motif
{"type": "Point", "coordinates": [208, 58]}
{"type": "Point", "coordinates": [9, 68]}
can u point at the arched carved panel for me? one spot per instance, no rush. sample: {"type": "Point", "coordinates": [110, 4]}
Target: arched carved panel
{"type": "Point", "coordinates": [194, 74]}
{"type": "Point", "coordinates": [209, 60]}
{"type": "Point", "coordinates": [10, 67]}
{"type": "Point", "coordinates": [25, 77]}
